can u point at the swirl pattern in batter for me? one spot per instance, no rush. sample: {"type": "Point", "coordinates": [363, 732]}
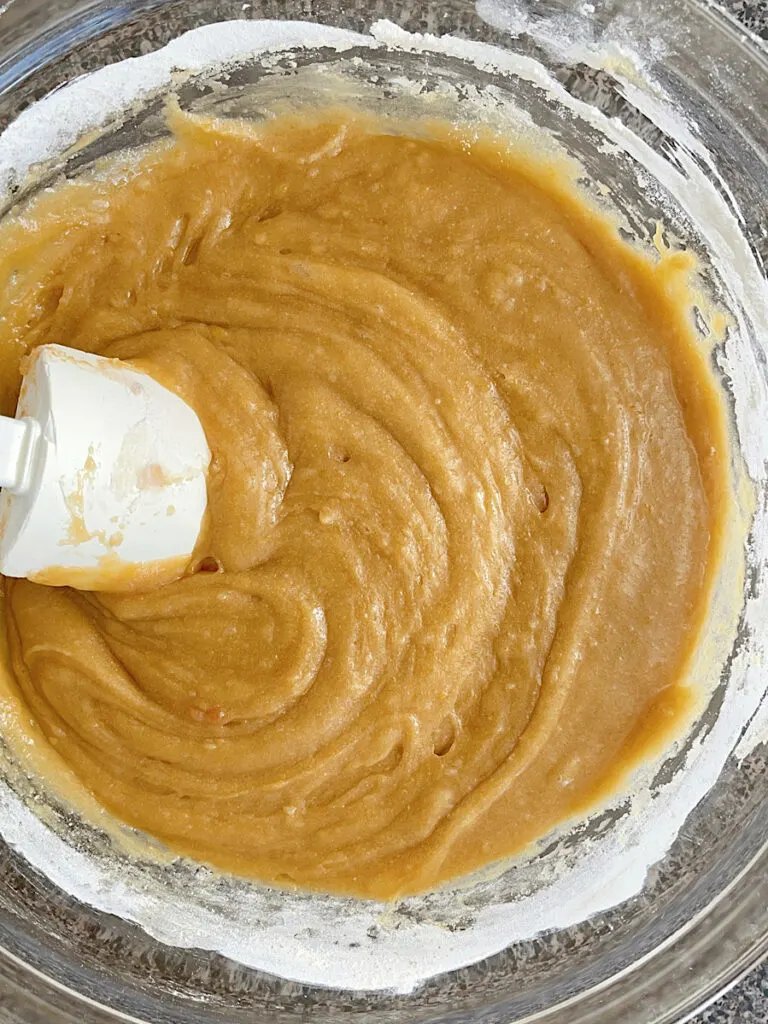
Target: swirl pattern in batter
{"type": "Point", "coordinates": [469, 470]}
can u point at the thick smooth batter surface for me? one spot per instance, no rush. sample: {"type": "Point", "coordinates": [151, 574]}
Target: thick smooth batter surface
{"type": "Point", "coordinates": [468, 478]}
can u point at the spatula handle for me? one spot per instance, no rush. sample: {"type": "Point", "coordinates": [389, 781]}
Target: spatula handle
{"type": "Point", "coordinates": [18, 444]}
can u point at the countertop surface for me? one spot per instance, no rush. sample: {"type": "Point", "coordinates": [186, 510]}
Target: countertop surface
{"type": "Point", "coordinates": [747, 1003]}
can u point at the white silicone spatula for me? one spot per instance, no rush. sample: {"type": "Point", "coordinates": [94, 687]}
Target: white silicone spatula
{"type": "Point", "coordinates": [103, 475]}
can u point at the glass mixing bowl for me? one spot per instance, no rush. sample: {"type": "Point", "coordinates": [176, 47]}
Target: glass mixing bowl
{"type": "Point", "coordinates": [701, 920]}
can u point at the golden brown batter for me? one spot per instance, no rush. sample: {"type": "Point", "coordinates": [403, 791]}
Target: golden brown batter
{"type": "Point", "coordinates": [469, 472]}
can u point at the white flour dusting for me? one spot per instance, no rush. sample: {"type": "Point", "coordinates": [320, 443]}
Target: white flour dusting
{"type": "Point", "coordinates": [358, 945]}
{"type": "Point", "coordinates": [59, 120]}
